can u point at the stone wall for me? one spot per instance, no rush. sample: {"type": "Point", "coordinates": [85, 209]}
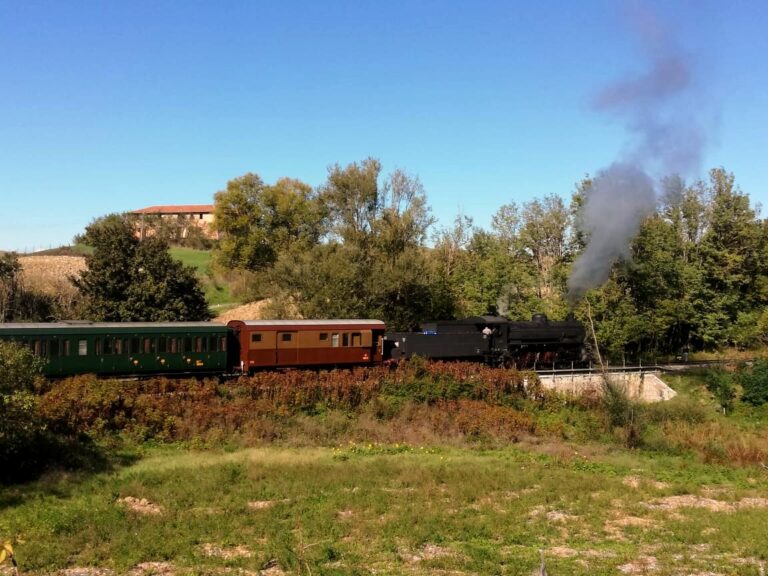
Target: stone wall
{"type": "Point", "coordinates": [642, 386]}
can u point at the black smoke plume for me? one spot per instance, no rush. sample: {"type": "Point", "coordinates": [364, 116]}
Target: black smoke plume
{"type": "Point", "coordinates": [663, 139]}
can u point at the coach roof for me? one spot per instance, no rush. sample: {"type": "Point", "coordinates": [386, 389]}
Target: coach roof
{"type": "Point", "coordinates": [308, 323]}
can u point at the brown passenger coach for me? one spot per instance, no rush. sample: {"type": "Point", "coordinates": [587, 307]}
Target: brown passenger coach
{"type": "Point", "coordinates": [287, 343]}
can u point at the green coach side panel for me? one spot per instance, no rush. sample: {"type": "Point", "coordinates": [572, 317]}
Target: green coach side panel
{"type": "Point", "coordinates": [124, 348]}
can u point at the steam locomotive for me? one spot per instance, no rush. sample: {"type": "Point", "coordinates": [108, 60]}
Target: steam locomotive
{"type": "Point", "coordinates": [243, 346]}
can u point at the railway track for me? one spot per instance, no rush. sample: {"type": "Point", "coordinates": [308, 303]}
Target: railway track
{"type": "Point", "coordinates": [660, 367]}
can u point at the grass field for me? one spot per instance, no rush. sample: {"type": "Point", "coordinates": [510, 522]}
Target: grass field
{"type": "Point", "coordinates": [217, 294]}
{"type": "Point", "coordinates": [304, 486]}
{"type": "Point", "coordinates": [200, 260]}
{"type": "Point", "coordinates": [395, 509]}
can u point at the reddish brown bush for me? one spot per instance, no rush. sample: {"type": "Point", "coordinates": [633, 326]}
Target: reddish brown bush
{"type": "Point", "coordinates": [471, 395]}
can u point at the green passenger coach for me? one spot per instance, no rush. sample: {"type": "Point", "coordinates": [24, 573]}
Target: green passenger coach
{"type": "Point", "coordinates": [107, 348]}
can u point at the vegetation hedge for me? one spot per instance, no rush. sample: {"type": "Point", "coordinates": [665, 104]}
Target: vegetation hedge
{"type": "Point", "coordinates": [178, 409]}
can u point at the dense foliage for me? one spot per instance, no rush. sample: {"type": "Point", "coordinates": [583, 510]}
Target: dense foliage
{"type": "Point", "coordinates": [188, 409]}
{"type": "Point", "coordinates": [128, 280]}
{"type": "Point", "coordinates": [426, 402]}
{"type": "Point", "coordinates": [362, 245]}
{"type": "Point", "coordinates": [20, 423]}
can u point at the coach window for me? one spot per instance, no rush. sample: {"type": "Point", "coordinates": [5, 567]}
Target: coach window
{"type": "Point", "coordinates": [53, 347]}
{"type": "Point", "coordinates": [97, 349]}
{"type": "Point", "coordinates": [198, 344]}
{"type": "Point", "coordinates": [357, 339]}
{"type": "Point", "coordinates": [135, 345]}
{"type": "Point", "coordinates": [66, 347]}
{"type": "Point", "coordinates": [286, 337]}
{"type": "Point", "coordinates": [213, 342]}
{"type": "Point", "coordinates": [173, 345]}
{"type": "Point", "coordinates": [162, 344]}
{"type": "Point", "coordinates": [223, 343]}
{"type": "Point", "coordinates": [335, 340]}
{"type": "Point", "coordinates": [82, 347]}
{"type": "Point", "coordinates": [255, 337]}
{"type": "Point", "coordinates": [109, 345]}
{"type": "Point", "coordinates": [147, 346]}
{"type": "Point", "coordinates": [323, 336]}
{"type": "Point", "coordinates": [188, 344]}
{"type": "Point", "coordinates": [345, 339]}
{"type": "Point", "coordinates": [118, 345]}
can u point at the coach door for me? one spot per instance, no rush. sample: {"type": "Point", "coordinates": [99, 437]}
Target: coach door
{"type": "Point", "coordinates": [287, 348]}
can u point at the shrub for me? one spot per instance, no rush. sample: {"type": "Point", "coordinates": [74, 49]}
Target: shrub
{"type": "Point", "coordinates": [678, 409]}
{"type": "Point", "coordinates": [721, 384]}
{"type": "Point", "coordinates": [755, 383]}
{"type": "Point", "coordinates": [624, 415]}
{"type": "Point", "coordinates": [170, 410]}
{"type": "Point", "coordinates": [20, 423]}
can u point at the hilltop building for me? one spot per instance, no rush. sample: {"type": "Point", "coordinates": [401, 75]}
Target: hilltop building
{"type": "Point", "coordinates": [180, 217]}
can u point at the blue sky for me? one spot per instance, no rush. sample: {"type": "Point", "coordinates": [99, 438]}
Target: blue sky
{"type": "Point", "coordinates": [113, 106]}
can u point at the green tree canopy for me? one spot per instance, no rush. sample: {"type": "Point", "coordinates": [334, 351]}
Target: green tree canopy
{"type": "Point", "coordinates": [128, 280]}
{"type": "Point", "coordinates": [258, 221]}
{"type": "Point", "coordinates": [371, 261]}
{"type": "Point", "coordinates": [19, 420]}
{"type": "Point", "coordinates": [9, 284]}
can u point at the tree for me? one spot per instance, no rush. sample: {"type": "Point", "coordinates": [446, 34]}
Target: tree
{"type": "Point", "coordinates": [9, 284]}
{"type": "Point", "coordinates": [128, 280]}
{"type": "Point", "coordinates": [372, 261]}
{"type": "Point", "coordinates": [732, 253]}
{"type": "Point", "coordinates": [19, 419]}
{"type": "Point", "coordinates": [258, 221]}
{"type": "Point", "coordinates": [544, 237]}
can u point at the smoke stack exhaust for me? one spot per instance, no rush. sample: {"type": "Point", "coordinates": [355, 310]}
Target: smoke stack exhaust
{"type": "Point", "coordinates": [663, 139]}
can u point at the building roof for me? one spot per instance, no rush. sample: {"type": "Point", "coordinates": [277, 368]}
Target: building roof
{"type": "Point", "coordinates": [179, 209]}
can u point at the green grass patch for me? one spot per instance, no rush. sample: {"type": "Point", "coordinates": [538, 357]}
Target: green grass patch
{"type": "Point", "coordinates": [393, 510]}
{"type": "Point", "coordinates": [217, 292]}
{"type": "Point", "coordinates": [200, 260]}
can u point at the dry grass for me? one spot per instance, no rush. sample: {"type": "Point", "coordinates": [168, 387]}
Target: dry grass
{"type": "Point", "coordinates": [260, 310]}
{"type": "Point", "coordinates": [250, 311]}
{"type": "Point", "coordinates": [50, 274]}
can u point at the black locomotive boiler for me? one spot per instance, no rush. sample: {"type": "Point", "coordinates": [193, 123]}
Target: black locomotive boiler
{"type": "Point", "coordinates": [495, 340]}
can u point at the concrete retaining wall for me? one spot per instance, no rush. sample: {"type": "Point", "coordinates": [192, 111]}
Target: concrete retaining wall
{"type": "Point", "coordinates": [642, 386]}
